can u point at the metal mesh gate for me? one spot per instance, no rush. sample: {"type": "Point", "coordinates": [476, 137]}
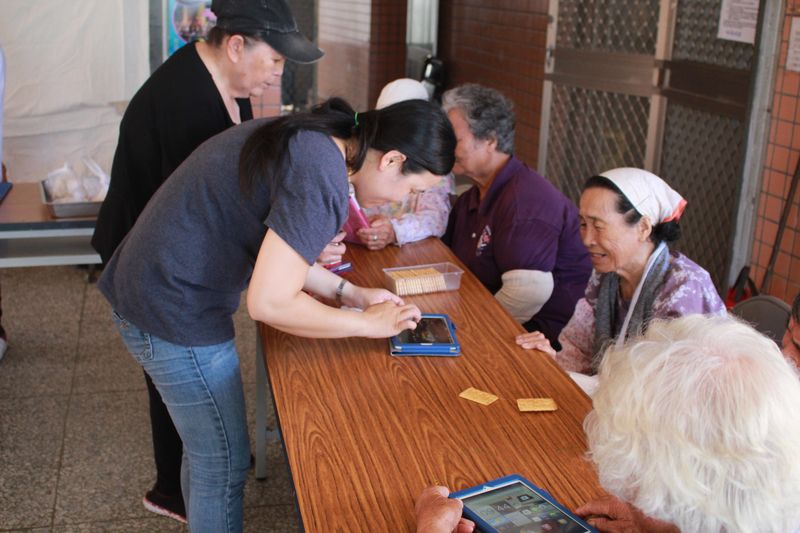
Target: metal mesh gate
{"type": "Point", "coordinates": [703, 149]}
{"type": "Point", "coordinates": [628, 26]}
{"type": "Point", "coordinates": [612, 104]}
{"type": "Point", "coordinates": [697, 155]}
{"type": "Point", "coordinates": [592, 131]}
{"type": "Point", "coordinates": [696, 37]}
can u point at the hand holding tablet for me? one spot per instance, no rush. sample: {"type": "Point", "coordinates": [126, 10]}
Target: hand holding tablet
{"type": "Point", "coordinates": [512, 504]}
{"type": "Point", "coordinates": [434, 335]}
{"type": "Point", "coordinates": [388, 318]}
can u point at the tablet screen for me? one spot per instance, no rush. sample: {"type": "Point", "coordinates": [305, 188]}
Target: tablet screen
{"type": "Point", "coordinates": [430, 330]}
{"type": "Point", "coordinates": [516, 508]}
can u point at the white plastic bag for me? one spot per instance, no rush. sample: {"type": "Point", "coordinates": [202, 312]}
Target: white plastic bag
{"type": "Point", "coordinates": [96, 185]}
{"type": "Point", "coordinates": [65, 185]}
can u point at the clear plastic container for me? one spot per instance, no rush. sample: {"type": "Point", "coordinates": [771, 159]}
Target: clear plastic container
{"type": "Point", "coordinates": [412, 279]}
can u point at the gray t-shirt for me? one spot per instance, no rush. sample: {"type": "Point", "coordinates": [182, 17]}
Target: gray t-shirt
{"type": "Point", "coordinates": [180, 272]}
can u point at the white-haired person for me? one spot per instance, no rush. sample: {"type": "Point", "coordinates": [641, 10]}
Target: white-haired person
{"type": "Point", "coordinates": [695, 428]}
{"type": "Point", "coordinates": [421, 214]}
{"type": "Point", "coordinates": [696, 424]}
{"type": "Point", "coordinates": [628, 218]}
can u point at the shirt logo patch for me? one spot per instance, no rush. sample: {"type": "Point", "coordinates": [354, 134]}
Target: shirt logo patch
{"type": "Point", "coordinates": [485, 239]}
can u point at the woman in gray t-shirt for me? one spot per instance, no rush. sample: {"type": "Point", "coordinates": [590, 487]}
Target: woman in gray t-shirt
{"type": "Point", "coordinates": [252, 208]}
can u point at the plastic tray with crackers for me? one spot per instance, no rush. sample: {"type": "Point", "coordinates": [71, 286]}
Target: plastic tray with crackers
{"type": "Point", "coordinates": [422, 279]}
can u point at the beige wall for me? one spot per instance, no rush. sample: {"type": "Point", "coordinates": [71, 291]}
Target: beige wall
{"type": "Point", "coordinates": [364, 44]}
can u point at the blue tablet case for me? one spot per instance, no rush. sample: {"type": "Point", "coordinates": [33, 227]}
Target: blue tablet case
{"type": "Point", "coordinates": [450, 349]}
{"type": "Point", "coordinates": [504, 516]}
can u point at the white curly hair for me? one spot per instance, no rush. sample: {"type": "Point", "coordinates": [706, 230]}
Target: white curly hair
{"type": "Point", "coordinates": [697, 423]}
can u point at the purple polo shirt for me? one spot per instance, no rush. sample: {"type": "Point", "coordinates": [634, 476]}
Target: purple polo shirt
{"type": "Point", "coordinates": [524, 222]}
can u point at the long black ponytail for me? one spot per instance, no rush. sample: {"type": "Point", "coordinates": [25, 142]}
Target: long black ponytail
{"type": "Point", "coordinates": [418, 129]}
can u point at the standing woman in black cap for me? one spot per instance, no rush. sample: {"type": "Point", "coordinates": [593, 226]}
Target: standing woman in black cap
{"type": "Point", "coordinates": [203, 89]}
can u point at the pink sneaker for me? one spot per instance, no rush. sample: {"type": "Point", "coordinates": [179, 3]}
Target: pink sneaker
{"type": "Point", "coordinates": [165, 505]}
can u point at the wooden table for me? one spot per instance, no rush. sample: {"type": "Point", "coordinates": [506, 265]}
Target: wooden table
{"type": "Point", "coordinates": [30, 236]}
{"type": "Point", "coordinates": [366, 432]}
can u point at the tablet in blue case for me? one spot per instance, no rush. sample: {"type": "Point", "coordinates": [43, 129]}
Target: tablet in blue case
{"type": "Point", "coordinates": [512, 504]}
{"type": "Point", "coordinates": [434, 335]}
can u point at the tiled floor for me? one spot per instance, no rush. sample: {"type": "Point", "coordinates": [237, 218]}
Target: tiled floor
{"type": "Point", "coordinates": [75, 449]}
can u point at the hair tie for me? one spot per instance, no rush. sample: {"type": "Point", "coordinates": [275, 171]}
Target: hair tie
{"type": "Point", "coordinates": [356, 118]}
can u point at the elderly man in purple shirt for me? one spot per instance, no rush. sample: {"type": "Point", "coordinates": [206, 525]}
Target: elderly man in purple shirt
{"type": "Point", "coordinates": [513, 229]}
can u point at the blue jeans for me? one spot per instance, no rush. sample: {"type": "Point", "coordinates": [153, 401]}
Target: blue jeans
{"type": "Point", "coordinates": [202, 389]}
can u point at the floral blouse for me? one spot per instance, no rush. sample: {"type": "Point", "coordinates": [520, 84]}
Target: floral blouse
{"type": "Point", "coordinates": [687, 290]}
{"type": "Point", "coordinates": [420, 215]}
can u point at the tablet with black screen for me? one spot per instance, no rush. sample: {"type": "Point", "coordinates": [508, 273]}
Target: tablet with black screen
{"type": "Point", "coordinates": [434, 335]}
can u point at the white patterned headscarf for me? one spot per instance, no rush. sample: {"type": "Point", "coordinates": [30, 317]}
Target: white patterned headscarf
{"type": "Point", "coordinates": [649, 194]}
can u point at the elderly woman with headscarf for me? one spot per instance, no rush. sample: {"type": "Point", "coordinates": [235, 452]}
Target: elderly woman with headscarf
{"type": "Point", "coordinates": [628, 218]}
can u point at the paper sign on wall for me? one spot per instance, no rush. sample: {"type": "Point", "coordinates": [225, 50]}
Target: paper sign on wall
{"type": "Point", "coordinates": [737, 21]}
{"type": "Point", "coordinates": [793, 56]}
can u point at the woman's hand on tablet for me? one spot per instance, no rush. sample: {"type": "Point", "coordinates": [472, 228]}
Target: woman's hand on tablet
{"type": "Point", "coordinates": [536, 341]}
{"type": "Point", "coordinates": [363, 297]}
{"type": "Point", "coordinates": [436, 513]}
{"type": "Point", "coordinates": [387, 319]}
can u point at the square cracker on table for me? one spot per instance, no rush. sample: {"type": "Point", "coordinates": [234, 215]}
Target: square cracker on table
{"type": "Point", "coordinates": [536, 404]}
{"type": "Point", "coordinates": [474, 395]}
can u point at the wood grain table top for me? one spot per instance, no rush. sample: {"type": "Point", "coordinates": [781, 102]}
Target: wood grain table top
{"type": "Point", "coordinates": [365, 432]}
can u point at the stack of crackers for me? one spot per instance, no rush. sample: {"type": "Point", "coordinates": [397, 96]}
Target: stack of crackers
{"type": "Point", "coordinates": [417, 281]}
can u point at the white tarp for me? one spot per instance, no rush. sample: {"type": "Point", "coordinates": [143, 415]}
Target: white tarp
{"type": "Point", "coordinates": [67, 63]}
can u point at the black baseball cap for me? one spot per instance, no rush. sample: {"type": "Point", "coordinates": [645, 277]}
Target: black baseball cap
{"type": "Point", "coordinates": [271, 20]}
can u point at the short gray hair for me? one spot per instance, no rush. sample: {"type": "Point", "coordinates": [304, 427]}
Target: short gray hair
{"type": "Point", "coordinates": [697, 423]}
{"type": "Point", "coordinates": [489, 114]}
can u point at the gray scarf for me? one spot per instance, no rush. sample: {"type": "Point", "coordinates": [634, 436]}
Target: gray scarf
{"type": "Point", "coordinates": [606, 309]}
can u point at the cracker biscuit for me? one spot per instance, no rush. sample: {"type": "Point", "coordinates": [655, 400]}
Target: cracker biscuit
{"type": "Point", "coordinates": [536, 404]}
{"type": "Point", "coordinates": [474, 395]}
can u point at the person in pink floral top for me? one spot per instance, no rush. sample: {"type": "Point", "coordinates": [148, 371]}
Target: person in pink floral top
{"type": "Point", "coordinates": [421, 215]}
{"type": "Point", "coordinates": [628, 218]}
